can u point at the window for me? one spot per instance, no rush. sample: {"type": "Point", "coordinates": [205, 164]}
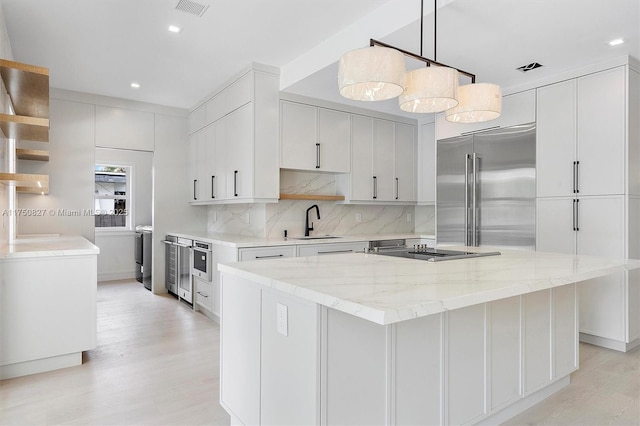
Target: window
{"type": "Point", "coordinates": [113, 196]}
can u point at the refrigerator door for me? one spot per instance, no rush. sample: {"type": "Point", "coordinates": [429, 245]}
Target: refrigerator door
{"type": "Point", "coordinates": [506, 187]}
{"type": "Point", "coordinates": [453, 194]}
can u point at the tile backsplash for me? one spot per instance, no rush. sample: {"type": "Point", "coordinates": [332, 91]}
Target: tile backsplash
{"type": "Point", "coordinates": [270, 220]}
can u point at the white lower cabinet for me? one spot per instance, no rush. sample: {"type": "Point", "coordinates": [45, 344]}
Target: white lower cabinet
{"type": "Point", "coordinates": [257, 253]}
{"type": "Point", "coordinates": [333, 248]}
{"type": "Point", "coordinates": [323, 366]}
{"type": "Point", "coordinates": [204, 294]}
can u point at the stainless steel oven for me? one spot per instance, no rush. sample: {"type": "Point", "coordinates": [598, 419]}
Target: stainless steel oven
{"type": "Point", "coordinates": [201, 261]}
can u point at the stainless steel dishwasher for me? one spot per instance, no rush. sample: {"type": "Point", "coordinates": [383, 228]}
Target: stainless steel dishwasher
{"type": "Point", "coordinates": [178, 266]}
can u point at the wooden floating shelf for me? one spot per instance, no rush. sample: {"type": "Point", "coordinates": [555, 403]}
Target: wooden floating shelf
{"type": "Point", "coordinates": [32, 154]}
{"type": "Point", "coordinates": [28, 87]}
{"type": "Point", "coordinates": [25, 128]}
{"type": "Point", "coordinates": [312, 197]}
{"type": "Point", "coordinates": [30, 190]}
{"type": "Point", "coordinates": [25, 180]}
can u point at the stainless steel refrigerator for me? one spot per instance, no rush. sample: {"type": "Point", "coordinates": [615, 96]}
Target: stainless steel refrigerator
{"type": "Point", "coordinates": [486, 189]}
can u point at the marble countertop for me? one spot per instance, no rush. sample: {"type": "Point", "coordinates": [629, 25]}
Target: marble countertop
{"type": "Point", "coordinates": [46, 246]}
{"type": "Point", "coordinates": [240, 241]}
{"type": "Point", "coordinates": [386, 290]}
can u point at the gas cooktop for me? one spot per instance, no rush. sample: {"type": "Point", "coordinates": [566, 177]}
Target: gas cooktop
{"type": "Point", "coordinates": [432, 254]}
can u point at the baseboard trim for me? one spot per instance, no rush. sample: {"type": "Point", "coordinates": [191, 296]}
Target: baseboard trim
{"type": "Point", "coordinates": [616, 345]}
{"type": "Point", "coordinates": [114, 276]}
{"type": "Point", "coordinates": [525, 403]}
{"type": "Point", "coordinates": [40, 365]}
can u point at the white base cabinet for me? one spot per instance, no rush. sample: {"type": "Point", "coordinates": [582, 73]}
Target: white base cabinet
{"type": "Point", "coordinates": [482, 363]}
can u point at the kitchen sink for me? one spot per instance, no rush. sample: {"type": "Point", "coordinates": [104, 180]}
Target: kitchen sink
{"type": "Point", "coordinates": [325, 237]}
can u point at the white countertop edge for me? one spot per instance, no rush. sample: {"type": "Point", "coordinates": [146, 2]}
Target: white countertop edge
{"type": "Point", "coordinates": [240, 241]}
{"type": "Point", "coordinates": [48, 246]}
{"type": "Point", "coordinates": [391, 316]}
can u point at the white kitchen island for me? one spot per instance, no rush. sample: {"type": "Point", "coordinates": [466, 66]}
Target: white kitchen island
{"type": "Point", "coordinates": [47, 303]}
{"type": "Point", "coordinates": [369, 339]}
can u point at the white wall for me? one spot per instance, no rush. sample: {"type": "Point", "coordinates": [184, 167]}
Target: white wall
{"type": "Point", "coordinates": [70, 170]}
{"type": "Point", "coordinates": [116, 259]}
{"type": "Point", "coordinates": [5, 53]}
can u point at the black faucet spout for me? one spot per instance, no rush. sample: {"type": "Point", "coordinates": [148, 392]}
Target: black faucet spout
{"type": "Point", "coordinates": [308, 228]}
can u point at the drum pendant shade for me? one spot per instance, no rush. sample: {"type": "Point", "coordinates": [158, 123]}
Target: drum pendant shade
{"type": "Point", "coordinates": [371, 74]}
{"type": "Point", "coordinates": [430, 89]}
{"type": "Point", "coordinates": [477, 102]}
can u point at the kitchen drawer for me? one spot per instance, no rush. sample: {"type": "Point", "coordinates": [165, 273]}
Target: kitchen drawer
{"type": "Point", "coordinates": [333, 248]}
{"type": "Point", "coordinates": [204, 294]}
{"type": "Point", "coordinates": [245, 254]}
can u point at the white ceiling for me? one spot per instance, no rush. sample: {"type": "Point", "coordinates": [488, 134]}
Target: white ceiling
{"type": "Point", "coordinates": [101, 46]}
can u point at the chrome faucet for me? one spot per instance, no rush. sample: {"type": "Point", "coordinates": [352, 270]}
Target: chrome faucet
{"type": "Point", "coordinates": [308, 228]}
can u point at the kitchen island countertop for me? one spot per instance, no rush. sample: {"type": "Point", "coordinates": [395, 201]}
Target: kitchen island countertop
{"type": "Point", "coordinates": [387, 290]}
{"type": "Point", "coordinates": [46, 246]}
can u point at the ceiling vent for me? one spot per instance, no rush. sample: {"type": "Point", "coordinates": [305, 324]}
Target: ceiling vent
{"type": "Point", "coordinates": [192, 7]}
{"type": "Point", "coordinates": [531, 66]}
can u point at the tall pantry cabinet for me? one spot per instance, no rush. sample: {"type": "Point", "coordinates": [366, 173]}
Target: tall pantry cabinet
{"type": "Point", "coordinates": [588, 189]}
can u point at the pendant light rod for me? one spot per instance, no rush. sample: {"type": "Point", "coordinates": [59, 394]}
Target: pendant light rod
{"type": "Point", "coordinates": [435, 29]}
{"type": "Point", "coordinates": [428, 61]}
{"type": "Point", "coordinates": [421, 25]}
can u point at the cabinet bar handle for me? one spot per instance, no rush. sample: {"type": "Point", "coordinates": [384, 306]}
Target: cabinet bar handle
{"type": "Point", "coordinates": [375, 187]}
{"type": "Point", "coordinates": [318, 155]}
{"type": "Point", "coordinates": [195, 197]}
{"type": "Point", "coordinates": [335, 251]}
{"type": "Point", "coordinates": [235, 183]}
{"type": "Point", "coordinates": [466, 199]}
{"type": "Point", "coordinates": [397, 189]}
{"type": "Point", "coordinates": [270, 256]}
{"type": "Point", "coordinates": [577, 177]}
{"type": "Point", "coordinates": [578, 214]}
{"type": "Point", "coordinates": [202, 294]}
{"type": "Point", "coordinates": [213, 185]}
{"type": "Point", "coordinates": [574, 213]}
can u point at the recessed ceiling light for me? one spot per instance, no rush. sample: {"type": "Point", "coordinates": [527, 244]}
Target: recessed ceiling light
{"type": "Point", "coordinates": [174, 29]}
{"type": "Point", "coordinates": [135, 85]}
{"type": "Point", "coordinates": [616, 42]}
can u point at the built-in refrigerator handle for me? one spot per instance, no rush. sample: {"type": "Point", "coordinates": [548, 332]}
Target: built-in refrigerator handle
{"type": "Point", "coordinates": [474, 202]}
{"type": "Point", "coordinates": [466, 199]}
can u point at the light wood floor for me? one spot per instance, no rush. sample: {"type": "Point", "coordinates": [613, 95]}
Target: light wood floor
{"type": "Point", "coordinates": [157, 364]}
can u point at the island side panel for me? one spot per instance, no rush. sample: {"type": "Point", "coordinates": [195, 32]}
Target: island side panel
{"type": "Point", "coordinates": [536, 326]}
{"type": "Point", "coordinates": [289, 379]}
{"type": "Point", "coordinates": [47, 311]}
{"type": "Point", "coordinates": [240, 349]}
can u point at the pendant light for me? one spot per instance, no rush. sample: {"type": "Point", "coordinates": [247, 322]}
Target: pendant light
{"type": "Point", "coordinates": [430, 89]}
{"type": "Point", "coordinates": [371, 74]}
{"type": "Point", "coordinates": [378, 72]}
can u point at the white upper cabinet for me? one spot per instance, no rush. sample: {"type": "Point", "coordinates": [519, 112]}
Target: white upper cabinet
{"type": "Point", "coordinates": [124, 129]}
{"type": "Point", "coordinates": [555, 139]}
{"type": "Point", "coordinates": [240, 161]}
{"type": "Point", "coordinates": [382, 162]}
{"type": "Point", "coordinates": [314, 138]}
{"type": "Point", "coordinates": [518, 108]}
{"type": "Point", "coordinates": [581, 136]}
{"type": "Point", "coordinates": [405, 162]}
{"type": "Point", "coordinates": [427, 165]}
{"type": "Point", "coordinates": [601, 134]}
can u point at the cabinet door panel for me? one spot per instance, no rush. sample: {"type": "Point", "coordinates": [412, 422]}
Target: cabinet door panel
{"type": "Point", "coordinates": [405, 176]}
{"type": "Point", "coordinates": [239, 144]}
{"type": "Point", "coordinates": [361, 158]}
{"type": "Point", "coordinates": [601, 226]}
{"type": "Point", "coordinates": [334, 134]}
{"type": "Point", "coordinates": [465, 364]}
{"type": "Point", "coordinates": [427, 161]}
{"type": "Point", "coordinates": [193, 167]}
{"type": "Point", "coordinates": [383, 149]}
{"type": "Point", "coordinates": [555, 139]}
{"type": "Point", "coordinates": [504, 351]}
{"type": "Point", "coordinates": [554, 223]}
{"type": "Point", "coordinates": [221, 166]}
{"type": "Point", "coordinates": [565, 354]}
{"type": "Point", "coordinates": [298, 136]}
{"type": "Point", "coordinates": [601, 132]}
{"type": "Point", "coordinates": [536, 340]}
